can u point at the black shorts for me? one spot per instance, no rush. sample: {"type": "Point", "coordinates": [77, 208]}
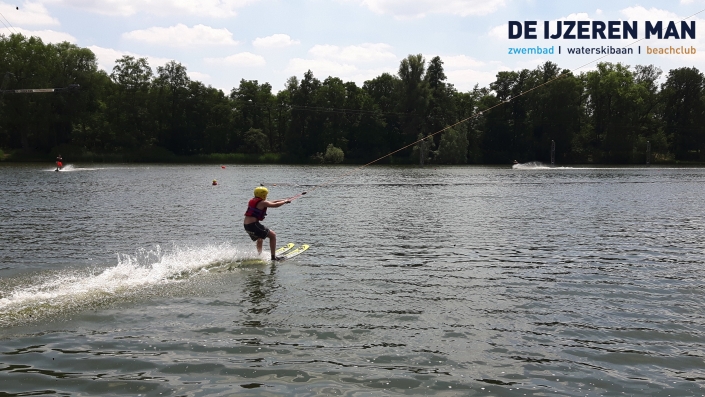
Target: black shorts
{"type": "Point", "coordinates": [256, 231]}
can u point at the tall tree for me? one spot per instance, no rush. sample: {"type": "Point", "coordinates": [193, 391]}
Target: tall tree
{"type": "Point", "coordinates": [306, 123]}
{"type": "Point", "coordinates": [254, 103]}
{"type": "Point", "coordinates": [415, 97]}
{"type": "Point", "coordinates": [40, 121]}
{"type": "Point", "coordinates": [333, 98]}
{"type": "Point", "coordinates": [556, 115]}
{"type": "Point", "coordinates": [683, 95]}
{"type": "Point", "coordinates": [507, 124]}
{"type": "Point", "coordinates": [441, 107]}
{"type": "Point", "coordinates": [385, 92]}
{"type": "Point", "coordinates": [365, 125]}
{"type": "Point", "coordinates": [131, 105]}
{"type": "Point", "coordinates": [171, 85]}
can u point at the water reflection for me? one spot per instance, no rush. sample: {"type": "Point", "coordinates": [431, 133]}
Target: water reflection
{"type": "Point", "coordinates": [260, 288]}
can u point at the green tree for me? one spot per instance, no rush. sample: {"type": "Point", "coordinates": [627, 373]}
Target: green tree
{"type": "Point", "coordinates": [415, 96]}
{"type": "Point", "coordinates": [333, 155]}
{"type": "Point", "coordinates": [254, 141]}
{"type": "Point", "coordinates": [214, 110]}
{"type": "Point", "coordinates": [171, 91]}
{"type": "Point", "coordinates": [467, 107]}
{"type": "Point", "coordinates": [93, 129]}
{"type": "Point", "coordinates": [364, 128]}
{"type": "Point", "coordinates": [614, 107]}
{"type": "Point", "coordinates": [332, 97]}
{"type": "Point", "coordinates": [254, 104]}
{"type": "Point", "coordinates": [131, 104]}
{"type": "Point", "coordinates": [555, 115]}
{"type": "Point", "coordinates": [505, 123]}
{"type": "Point", "coordinates": [26, 119]}
{"type": "Point", "coordinates": [423, 149]}
{"type": "Point", "coordinates": [384, 92]}
{"type": "Point", "coordinates": [441, 107]}
{"type": "Point", "coordinates": [208, 119]}
{"type": "Point", "coordinates": [40, 121]}
{"type": "Point", "coordinates": [453, 147]}
{"type": "Point", "coordinates": [683, 96]}
{"type": "Point", "coordinates": [306, 124]}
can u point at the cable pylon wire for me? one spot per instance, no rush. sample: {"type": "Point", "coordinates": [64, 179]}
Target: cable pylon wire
{"type": "Point", "coordinates": [11, 28]}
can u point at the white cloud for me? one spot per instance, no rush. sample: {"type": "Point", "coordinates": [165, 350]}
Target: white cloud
{"type": "Point", "coordinates": [181, 35]}
{"type": "Point", "coordinates": [321, 68]}
{"type": "Point", "coordinates": [465, 79]}
{"type": "Point", "coordinates": [198, 76]}
{"type": "Point", "coordinates": [640, 13]}
{"type": "Point", "coordinates": [500, 32]}
{"type": "Point", "coordinates": [201, 8]}
{"type": "Point", "coordinates": [243, 59]}
{"type": "Point", "coordinates": [107, 56]}
{"type": "Point", "coordinates": [409, 9]}
{"type": "Point", "coordinates": [368, 74]}
{"type": "Point", "coordinates": [34, 14]}
{"type": "Point", "coordinates": [685, 2]}
{"type": "Point", "coordinates": [275, 41]}
{"type": "Point", "coordinates": [356, 63]}
{"type": "Point", "coordinates": [47, 36]}
{"type": "Point", "coordinates": [464, 72]}
{"type": "Point", "coordinates": [367, 52]}
{"type": "Point", "coordinates": [460, 62]}
{"type": "Point", "coordinates": [580, 16]}
{"type": "Point", "coordinates": [107, 7]}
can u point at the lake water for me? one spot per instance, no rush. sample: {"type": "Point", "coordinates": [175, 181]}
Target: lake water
{"type": "Point", "coordinates": [450, 281]}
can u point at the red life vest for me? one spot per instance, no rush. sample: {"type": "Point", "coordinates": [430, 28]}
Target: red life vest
{"type": "Point", "coordinates": [252, 209]}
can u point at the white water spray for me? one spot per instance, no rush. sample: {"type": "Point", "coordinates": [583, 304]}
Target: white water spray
{"type": "Point", "coordinates": [71, 291]}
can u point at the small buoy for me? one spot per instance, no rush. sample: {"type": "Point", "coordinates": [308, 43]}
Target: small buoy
{"type": "Point", "coordinates": [222, 166]}
{"type": "Point", "coordinates": [215, 182]}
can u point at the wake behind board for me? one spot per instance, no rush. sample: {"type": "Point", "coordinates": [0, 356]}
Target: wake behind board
{"type": "Point", "coordinates": [298, 251]}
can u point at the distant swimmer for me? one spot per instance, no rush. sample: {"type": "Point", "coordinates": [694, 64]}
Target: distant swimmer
{"type": "Point", "coordinates": [215, 183]}
{"type": "Point", "coordinates": [59, 163]}
{"type": "Point", "coordinates": [256, 211]}
{"type": "Point", "coordinates": [516, 162]}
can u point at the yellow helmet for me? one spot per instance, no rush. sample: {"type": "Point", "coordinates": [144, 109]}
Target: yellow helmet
{"type": "Point", "coordinates": [261, 192]}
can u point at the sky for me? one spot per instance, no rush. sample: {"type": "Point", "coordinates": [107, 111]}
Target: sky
{"type": "Point", "coordinates": [221, 42]}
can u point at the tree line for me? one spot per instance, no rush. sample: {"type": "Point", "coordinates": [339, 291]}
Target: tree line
{"type": "Point", "coordinates": [612, 114]}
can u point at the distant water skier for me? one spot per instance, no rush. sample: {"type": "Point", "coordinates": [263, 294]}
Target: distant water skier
{"type": "Point", "coordinates": [59, 163]}
{"type": "Point", "coordinates": [256, 211]}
